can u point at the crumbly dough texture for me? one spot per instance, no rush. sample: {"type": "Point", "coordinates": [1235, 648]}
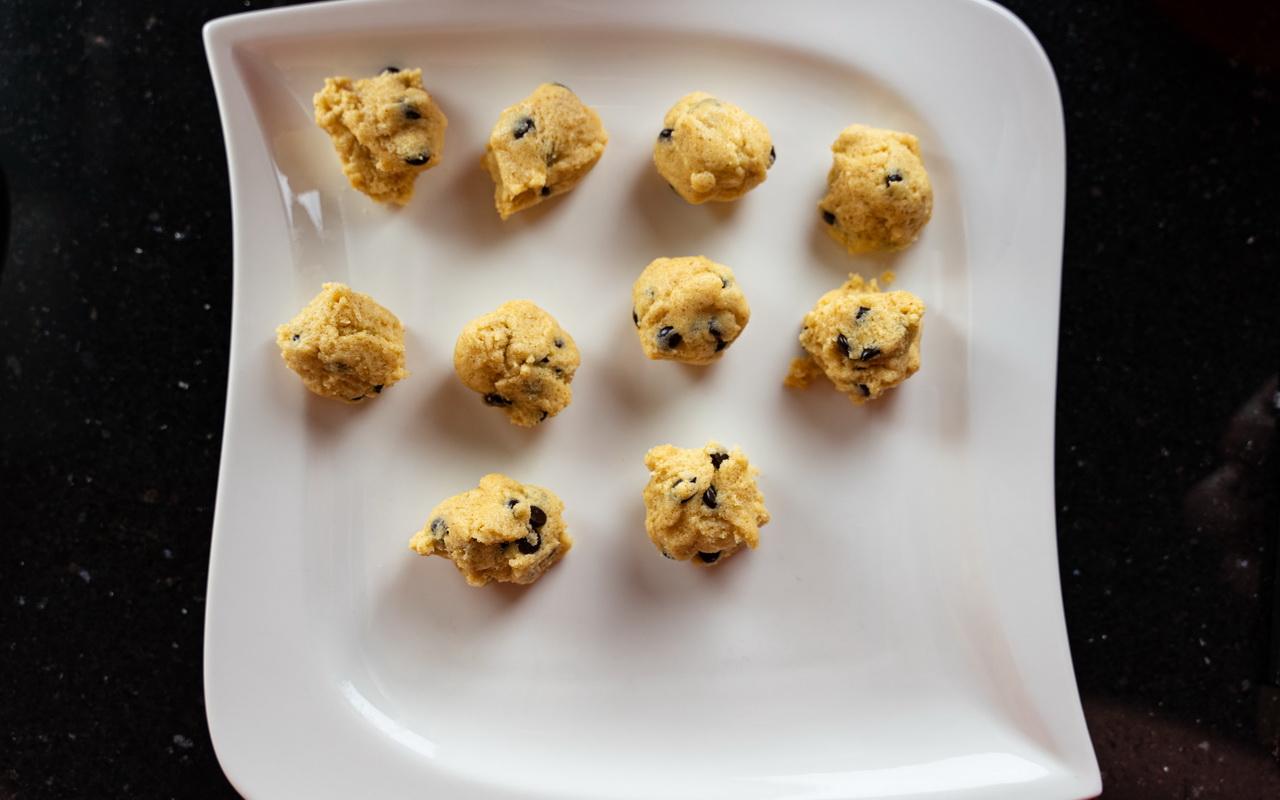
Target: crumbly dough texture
{"type": "Point", "coordinates": [864, 340]}
{"type": "Point", "coordinates": [344, 345]}
{"type": "Point", "coordinates": [520, 360]}
{"type": "Point", "coordinates": [712, 150]}
{"type": "Point", "coordinates": [502, 530]}
{"type": "Point", "coordinates": [688, 309]}
{"type": "Point", "coordinates": [702, 504]}
{"type": "Point", "coordinates": [386, 130]}
{"type": "Point", "coordinates": [541, 147]}
{"type": "Point", "coordinates": [878, 193]}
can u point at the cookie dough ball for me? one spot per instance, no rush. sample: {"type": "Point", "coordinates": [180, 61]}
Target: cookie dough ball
{"type": "Point", "coordinates": [386, 130]}
{"type": "Point", "coordinates": [712, 150]}
{"type": "Point", "coordinates": [541, 147]}
{"type": "Point", "coordinates": [687, 309]}
{"type": "Point", "coordinates": [878, 194]}
{"type": "Point", "coordinates": [520, 360]}
{"type": "Point", "coordinates": [703, 504]}
{"type": "Point", "coordinates": [502, 530]}
{"type": "Point", "coordinates": [864, 340]}
{"type": "Point", "coordinates": [344, 345]}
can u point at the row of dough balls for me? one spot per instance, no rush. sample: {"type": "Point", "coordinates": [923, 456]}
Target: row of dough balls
{"type": "Point", "coordinates": [387, 130]}
{"type": "Point", "coordinates": [701, 505]}
{"type": "Point", "coordinates": [345, 345]}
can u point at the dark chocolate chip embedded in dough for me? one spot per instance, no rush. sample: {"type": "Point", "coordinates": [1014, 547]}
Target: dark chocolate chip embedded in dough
{"type": "Point", "coordinates": [862, 312]}
{"type": "Point", "coordinates": [669, 338]}
{"type": "Point", "coordinates": [390, 70]}
{"type": "Point", "coordinates": [842, 342]}
{"type": "Point", "coordinates": [411, 113]}
{"type": "Point", "coordinates": [537, 518]}
{"type": "Point", "coordinates": [527, 547]}
{"type": "Point", "coordinates": [717, 459]}
{"type": "Point", "coordinates": [523, 126]}
{"type": "Point", "coordinates": [511, 503]}
{"type": "Point", "coordinates": [439, 528]}
{"type": "Point", "coordinates": [664, 135]}
{"type": "Point", "coordinates": [545, 414]}
{"type": "Point", "coordinates": [709, 497]}
{"type": "Point", "coordinates": [296, 337]}
{"type": "Point", "coordinates": [773, 156]}
{"type": "Point", "coordinates": [418, 160]}
{"type": "Point", "coordinates": [377, 389]}
{"type": "Point", "coordinates": [545, 191]}
{"type": "Point", "coordinates": [868, 353]}
{"type": "Point", "coordinates": [634, 318]}
{"type": "Point", "coordinates": [495, 399]}
{"type": "Point", "coordinates": [559, 342]}
{"type": "Point", "coordinates": [709, 558]}
{"type": "Point", "coordinates": [866, 390]}
{"type": "Point", "coordinates": [892, 177]}
{"type": "Point", "coordinates": [828, 217]}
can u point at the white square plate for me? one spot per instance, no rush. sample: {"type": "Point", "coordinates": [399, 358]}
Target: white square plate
{"type": "Point", "coordinates": [899, 631]}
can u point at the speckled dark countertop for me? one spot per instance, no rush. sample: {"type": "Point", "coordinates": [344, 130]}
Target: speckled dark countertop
{"type": "Point", "coordinates": [114, 310]}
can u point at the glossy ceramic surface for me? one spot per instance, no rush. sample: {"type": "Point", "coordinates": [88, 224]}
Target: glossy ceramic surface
{"type": "Point", "coordinates": [899, 632]}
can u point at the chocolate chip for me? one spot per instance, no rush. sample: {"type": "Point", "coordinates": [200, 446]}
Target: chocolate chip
{"type": "Point", "coordinates": [529, 548]}
{"type": "Point", "coordinates": [842, 342]}
{"type": "Point", "coordinates": [828, 217]}
{"type": "Point", "coordinates": [773, 156]}
{"type": "Point", "coordinates": [545, 360]}
{"type": "Point", "coordinates": [665, 554]}
{"type": "Point", "coordinates": [390, 70]}
{"type": "Point", "coordinates": [537, 518]}
{"type": "Point", "coordinates": [714, 330]}
{"type": "Point", "coordinates": [724, 283]}
{"type": "Point", "coordinates": [634, 318]}
{"type": "Point", "coordinates": [717, 459]}
{"type": "Point", "coordinates": [296, 337]}
{"type": "Point", "coordinates": [439, 528]}
{"type": "Point", "coordinates": [546, 190]}
{"type": "Point", "coordinates": [495, 399]}
{"type": "Point", "coordinates": [892, 177]}
{"type": "Point", "coordinates": [411, 113]}
{"type": "Point", "coordinates": [709, 558]}
{"type": "Point", "coordinates": [866, 390]}
{"type": "Point", "coordinates": [545, 414]}
{"type": "Point", "coordinates": [418, 160]}
{"type": "Point", "coordinates": [862, 312]}
{"type": "Point", "coordinates": [709, 497]}
{"type": "Point", "coordinates": [868, 353]}
{"type": "Point", "coordinates": [512, 503]}
{"type": "Point", "coordinates": [664, 135]}
{"type": "Point", "coordinates": [668, 338]}
{"type": "Point", "coordinates": [354, 399]}
{"type": "Point", "coordinates": [559, 342]}
{"type": "Point", "coordinates": [377, 389]}
{"type": "Point", "coordinates": [523, 126]}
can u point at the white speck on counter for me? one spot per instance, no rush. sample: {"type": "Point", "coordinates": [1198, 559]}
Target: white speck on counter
{"type": "Point", "coordinates": [183, 385]}
{"type": "Point", "coordinates": [183, 741]}
{"type": "Point", "coordinates": [84, 575]}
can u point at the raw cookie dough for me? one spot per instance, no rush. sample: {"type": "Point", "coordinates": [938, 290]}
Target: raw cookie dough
{"type": "Point", "coordinates": [687, 309]}
{"type": "Point", "coordinates": [864, 340]}
{"type": "Point", "coordinates": [520, 359]}
{"type": "Point", "coordinates": [502, 530]}
{"type": "Point", "coordinates": [386, 130]}
{"type": "Point", "coordinates": [541, 147]}
{"type": "Point", "coordinates": [878, 193]}
{"type": "Point", "coordinates": [712, 150]}
{"type": "Point", "coordinates": [702, 504]}
{"type": "Point", "coordinates": [344, 345]}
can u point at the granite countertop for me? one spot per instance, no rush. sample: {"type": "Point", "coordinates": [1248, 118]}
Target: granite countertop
{"type": "Point", "coordinates": [114, 316]}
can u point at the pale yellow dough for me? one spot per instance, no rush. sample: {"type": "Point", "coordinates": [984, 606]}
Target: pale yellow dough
{"type": "Point", "coordinates": [878, 193]}
{"type": "Point", "coordinates": [863, 340]}
{"type": "Point", "coordinates": [518, 359]}
{"type": "Point", "coordinates": [712, 150]}
{"type": "Point", "coordinates": [541, 147]}
{"type": "Point", "coordinates": [688, 309]}
{"type": "Point", "coordinates": [502, 530]}
{"type": "Point", "coordinates": [344, 345]}
{"type": "Point", "coordinates": [702, 504]}
{"type": "Point", "coordinates": [386, 129]}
